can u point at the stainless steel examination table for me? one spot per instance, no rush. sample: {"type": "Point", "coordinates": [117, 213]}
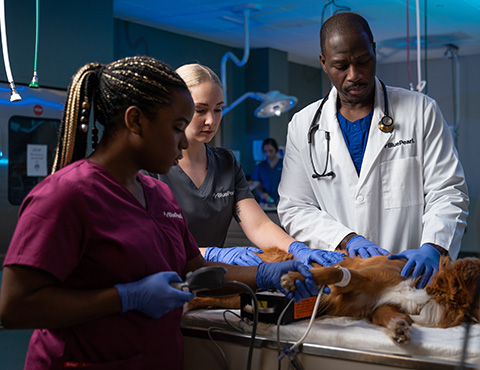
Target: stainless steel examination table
{"type": "Point", "coordinates": [333, 343]}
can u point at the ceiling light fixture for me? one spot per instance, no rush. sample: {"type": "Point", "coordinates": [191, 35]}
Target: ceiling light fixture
{"type": "Point", "coordinates": [274, 103]}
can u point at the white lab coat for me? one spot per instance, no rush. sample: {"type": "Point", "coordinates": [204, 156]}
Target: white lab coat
{"type": "Point", "coordinates": [411, 188]}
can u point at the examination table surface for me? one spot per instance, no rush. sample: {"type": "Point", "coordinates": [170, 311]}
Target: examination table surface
{"type": "Point", "coordinates": [333, 342]}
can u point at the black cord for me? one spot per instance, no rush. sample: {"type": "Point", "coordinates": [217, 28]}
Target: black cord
{"type": "Point", "coordinates": [238, 316]}
{"type": "Point", "coordinates": [209, 332]}
{"type": "Point", "coordinates": [214, 328]}
{"type": "Point", "coordinates": [255, 318]}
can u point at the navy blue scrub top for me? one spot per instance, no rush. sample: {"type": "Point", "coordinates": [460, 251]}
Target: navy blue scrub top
{"type": "Point", "coordinates": [356, 136]}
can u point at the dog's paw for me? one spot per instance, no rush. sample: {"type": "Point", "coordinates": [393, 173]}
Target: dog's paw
{"type": "Point", "coordinates": [399, 330]}
{"type": "Point", "coordinates": [288, 280]}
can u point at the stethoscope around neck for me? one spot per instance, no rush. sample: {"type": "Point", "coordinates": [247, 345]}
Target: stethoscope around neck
{"type": "Point", "coordinates": [385, 125]}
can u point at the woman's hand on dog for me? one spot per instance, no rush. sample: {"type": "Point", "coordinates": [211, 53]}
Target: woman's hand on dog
{"type": "Point", "coordinates": [301, 252]}
{"type": "Point", "coordinates": [242, 256]}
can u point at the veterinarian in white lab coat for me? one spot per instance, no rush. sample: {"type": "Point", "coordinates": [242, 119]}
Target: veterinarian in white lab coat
{"type": "Point", "coordinates": [360, 186]}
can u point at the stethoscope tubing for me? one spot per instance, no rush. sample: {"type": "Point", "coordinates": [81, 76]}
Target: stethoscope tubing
{"type": "Point", "coordinates": [385, 125]}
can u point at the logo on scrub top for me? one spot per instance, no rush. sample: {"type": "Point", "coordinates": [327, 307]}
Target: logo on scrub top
{"type": "Point", "coordinates": [223, 195]}
{"type": "Point", "coordinates": [172, 214]}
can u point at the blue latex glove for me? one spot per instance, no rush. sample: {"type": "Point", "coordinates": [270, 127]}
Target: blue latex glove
{"type": "Point", "coordinates": [358, 245]}
{"type": "Point", "coordinates": [153, 295]}
{"type": "Point", "coordinates": [242, 256]}
{"type": "Point", "coordinates": [424, 260]}
{"type": "Point", "coordinates": [269, 274]}
{"type": "Point", "coordinates": [304, 254]}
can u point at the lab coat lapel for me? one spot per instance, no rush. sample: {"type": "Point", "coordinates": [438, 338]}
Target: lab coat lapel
{"type": "Point", "coordinates": [376, 138]}
{"type": "Point", "coordinates": [338, 148]}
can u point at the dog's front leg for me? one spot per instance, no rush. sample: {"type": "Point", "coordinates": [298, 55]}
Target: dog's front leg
{"type": "Point", "coordinates": [321, 276]}
{"type": "Point", "coordinates": [397, 323]}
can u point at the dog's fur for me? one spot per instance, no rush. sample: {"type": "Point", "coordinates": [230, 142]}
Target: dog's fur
{"type": "Point", "coordinates": [378, 293]}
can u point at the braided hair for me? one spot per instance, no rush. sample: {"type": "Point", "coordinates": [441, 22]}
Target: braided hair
{"type": "Point", "coordinates": [141, 81]}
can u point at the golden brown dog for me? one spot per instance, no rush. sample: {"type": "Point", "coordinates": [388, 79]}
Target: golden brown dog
{"type": "Point", "coordinates": [377, 292]}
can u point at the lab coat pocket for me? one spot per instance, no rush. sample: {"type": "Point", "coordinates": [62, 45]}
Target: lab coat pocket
{"type": "Point", "coordinates": [402, 181]}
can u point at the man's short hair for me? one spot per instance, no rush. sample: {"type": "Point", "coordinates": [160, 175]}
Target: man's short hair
{"type": "Point", "coordinates": [342, 22]}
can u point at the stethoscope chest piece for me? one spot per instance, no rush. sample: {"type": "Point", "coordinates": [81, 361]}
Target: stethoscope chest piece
{"type": "Point", "coordinates": [386, 124]}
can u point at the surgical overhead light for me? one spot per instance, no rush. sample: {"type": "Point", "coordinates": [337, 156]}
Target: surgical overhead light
{"type": "Point", "coordinates": [274, 103]}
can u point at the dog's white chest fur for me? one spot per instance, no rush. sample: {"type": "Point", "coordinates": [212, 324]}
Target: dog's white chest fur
{"type": "Point", "coordinates": [416, 302]}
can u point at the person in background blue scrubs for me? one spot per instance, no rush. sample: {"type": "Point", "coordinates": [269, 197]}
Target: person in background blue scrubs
{"type": "Point", "coordinates": [268, 173]}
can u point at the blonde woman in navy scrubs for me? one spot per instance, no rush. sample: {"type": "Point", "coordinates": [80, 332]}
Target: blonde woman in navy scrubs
{"type": "Point", "coordinates": [210, 186]}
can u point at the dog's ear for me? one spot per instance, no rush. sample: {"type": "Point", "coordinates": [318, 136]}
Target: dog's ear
{"type": "Point", "coordinates": [467, 271]}
{"type": "Point", "coordinates": [444, 283]}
